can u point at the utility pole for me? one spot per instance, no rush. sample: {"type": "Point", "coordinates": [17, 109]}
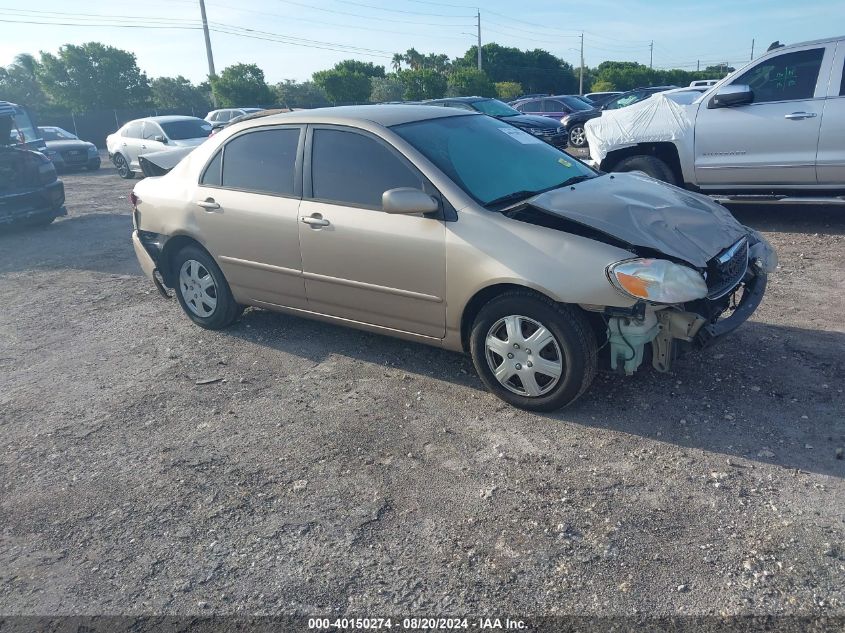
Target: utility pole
{"type": "Point", "coordinates": [698, 65]}
{"type": "Point", "coordinates": [651, 54]}
{"type": "Point", "coordinates": [581, 79]}
{"type": "Point", "coordinates": [478, 15]}
{"type": "Point", "coordinates": [208, 54]}
{"type": "Point", "coordinates": [752, 49]}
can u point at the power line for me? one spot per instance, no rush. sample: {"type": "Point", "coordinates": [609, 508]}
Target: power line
{"type": "Point", "coordinates": [380, 19]}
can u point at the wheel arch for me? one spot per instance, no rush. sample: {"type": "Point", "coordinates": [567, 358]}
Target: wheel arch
{"type": "Point", "coordinates": [172, 246]}
{"type": "Point", "coordinates": [487, 294]}
{"type": "Point", "coordinates": [665, 151]}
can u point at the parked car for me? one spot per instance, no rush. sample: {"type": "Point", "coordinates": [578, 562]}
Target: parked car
{"type": "Point", "coordinates": [570, 110]}
{"type": "Point", "coordinates": [754, 136]}
{"type": "Point", "coordinates": [598, 98]}
{"type": "Point", "coordinates": [539, 126]}
{"type": "Point", "coordinates": [227, 114]}
{"type": "Point", "coordinates": [66, 151]}
{"type": "Point", "coordinates": [30, 191]}
{"type": "Point", "coordinates": [703, 83]}
{"type": "Point", "coordinates": [452, 229]}
{"type": "Point", "coordinates": [153, 134]}
{"type": "Point", "coordinates": [633, 96]}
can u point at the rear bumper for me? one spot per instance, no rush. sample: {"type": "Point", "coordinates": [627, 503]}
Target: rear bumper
{"type": "Point", "coordinates": [144, 258]}
{"type": "Point", "coordinates": [47, 201]}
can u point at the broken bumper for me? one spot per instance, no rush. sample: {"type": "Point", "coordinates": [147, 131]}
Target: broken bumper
{"type": "Point", "coordinates": [144, 258]}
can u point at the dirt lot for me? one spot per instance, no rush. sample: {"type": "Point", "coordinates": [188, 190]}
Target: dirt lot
{"type": "Point", "coordinates": [332, 472]}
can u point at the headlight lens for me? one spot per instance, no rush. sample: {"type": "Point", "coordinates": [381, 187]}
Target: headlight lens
{"type": "Point", "coordinates": [92, 149]}
{"type": "Point", "coordinates": [657, 280]}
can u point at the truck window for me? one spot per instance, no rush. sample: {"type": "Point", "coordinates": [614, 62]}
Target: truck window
{"type": "Point", "coordinates": [842, 85]}
{"type": "Point", "coordinates": [786, 77]}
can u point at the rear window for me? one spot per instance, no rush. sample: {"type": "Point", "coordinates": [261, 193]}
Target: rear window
{"type": "Point", "coordinates": [186, 129]}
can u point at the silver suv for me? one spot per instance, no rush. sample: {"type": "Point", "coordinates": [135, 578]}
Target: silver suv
{"type": "Point", "coordinates": [775, 126]}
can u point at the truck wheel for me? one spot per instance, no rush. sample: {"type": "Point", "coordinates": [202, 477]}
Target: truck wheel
{"type": "Point", "coordinates": [532, 352]}
{"type": "Point", "coordinates": [650, 165]}
{"type": "Point", "coordinates": [122, 167]}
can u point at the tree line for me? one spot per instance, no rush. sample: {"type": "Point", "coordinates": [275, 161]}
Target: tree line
{"type": "Point", "coordinates": [93, 76]}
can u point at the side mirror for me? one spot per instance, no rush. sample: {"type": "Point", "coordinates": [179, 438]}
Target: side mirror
{"type": "Point", "coordinates": [733, 95]}
{"type": "Point", "coordinates": [160, 139]}
{"type": "Point", "coordinates": [407, 201]}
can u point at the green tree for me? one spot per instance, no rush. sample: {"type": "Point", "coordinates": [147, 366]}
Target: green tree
{"type": "Point", "coordinates": [364, 68]}
{"type": "Point", "coordinates": [469, 82]}
{"type": "Point", "coordinates": [343, 86]}
{"type": "Point", "coordinates": [508, 90]}
{"type": "Point", "coordinates": [423, 84]}
{"type": "Point", "coordinates": [537, 70]}
{"type": "Point", "coordinates": [396, 62]}
{"type": "Point", "coordinates": [413, 58]}
{"type": "Point", "coordinates": [384, 89]}
{"type": "Point", "coordinates": [306, 94]}
{"type": "Point", "coordinates": [19, 83]}
{"type": "Point", "coordinates": [241, 85]}
{"type": "Point", "coordinates": [178, 93]}
{"type": "Point", "coordinates": [602, 85]}
{"type": "Point", "coordinates": [93, 76]}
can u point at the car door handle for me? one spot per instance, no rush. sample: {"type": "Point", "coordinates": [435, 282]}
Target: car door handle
{"type": "Point", "coordinates": [797, 116]}
{"type": "Point", "coordinates": [315, 220]}
{"type": "Point", "coordinates": [208, 204]}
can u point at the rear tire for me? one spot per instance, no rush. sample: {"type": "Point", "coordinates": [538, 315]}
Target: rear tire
{"type": "Point", "coordinates": [650, 165]}
{"type": "Point", "coordinates": [122, 167]}
{"type": "Point", "coordinates": [563, 344]}
{"type": "Point", "coordinates": [202, 290]}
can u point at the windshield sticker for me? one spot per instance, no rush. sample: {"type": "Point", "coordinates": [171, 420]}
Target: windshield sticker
{"type": "Point", "coordinates": [564, 162]}
{"type": "Point", "coordinates": [523, 137]}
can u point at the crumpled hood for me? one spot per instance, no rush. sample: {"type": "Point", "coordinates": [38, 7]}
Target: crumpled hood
{"type": "Point", "coordinates": [169, 158]}
{"type": "Point", "coordinates": [188, 142]}
{"type": "Point", "coordinates": [647, 213]}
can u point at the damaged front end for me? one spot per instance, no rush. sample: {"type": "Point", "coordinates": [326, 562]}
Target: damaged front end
{"type": "Point", "coordinates": [734, 282]}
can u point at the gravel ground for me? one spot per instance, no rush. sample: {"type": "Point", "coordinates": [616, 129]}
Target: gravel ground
{"type": "Point", "coordinates": [148, 466]}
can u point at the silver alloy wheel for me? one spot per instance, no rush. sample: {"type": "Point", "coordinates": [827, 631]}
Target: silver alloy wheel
{"type": "Point", "coordinates": [523, 355]}
{"type": "Point", "coordinates": [121, 165]}
{"type": "Point", "coordinates": [198, 288]}
{"type": "Point", "coordinates": [577, 136]}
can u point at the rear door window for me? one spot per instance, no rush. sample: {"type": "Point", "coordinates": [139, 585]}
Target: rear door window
{"type": "Point", "coordinates": [532, 107]}
{"type": "Point", "coordinates": [786, 77]}
{"type": "Point", "coordinates": [353, 169]}
{"type": "Point", "coordinates": [133, 130]}
{"type": "Point", "coordinates": [263, 161]}
{"type": "Point", "coordinates": [550, 105]}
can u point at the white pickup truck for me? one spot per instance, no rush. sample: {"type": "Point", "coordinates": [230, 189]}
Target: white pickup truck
{"type": "Point", "coordinates": [773, 130]}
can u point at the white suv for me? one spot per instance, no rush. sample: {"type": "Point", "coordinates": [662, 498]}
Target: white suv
{"type": "Point", "coordinates": [227, 114]}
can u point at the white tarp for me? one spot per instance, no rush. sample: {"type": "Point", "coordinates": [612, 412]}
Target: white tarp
{"type": "Point", "coordinates": [652, 120]}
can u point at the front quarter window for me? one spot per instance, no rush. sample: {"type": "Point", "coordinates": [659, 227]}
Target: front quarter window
{"type": "Point", "coordinates": [490, 159]}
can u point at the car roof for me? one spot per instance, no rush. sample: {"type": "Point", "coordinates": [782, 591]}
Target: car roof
{"type": "Point", "coordinates": [381, 114]}
{"type": "Point", "coordinates": [461, 99]}
{"type": "Point", "coordinates": [167, 119]}
{"type": "Point", "coordinates": [824, 40]}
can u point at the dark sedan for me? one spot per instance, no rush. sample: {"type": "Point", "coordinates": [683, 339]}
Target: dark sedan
{"type": "Point", "coordinates": [570, 110]}
{"type": "Point", "coordinates": [539, 126]}
{"type": "Point", "coordinates": [66, 151]}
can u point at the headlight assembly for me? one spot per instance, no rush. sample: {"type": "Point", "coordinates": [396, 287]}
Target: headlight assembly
{"type": "Point", "coordinates": [657, 280]}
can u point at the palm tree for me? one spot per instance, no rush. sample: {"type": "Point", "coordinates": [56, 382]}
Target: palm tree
{"type": "Point", "coordinates": [414, 58]}
{"type": "Point", "coordinates": [397, 60]}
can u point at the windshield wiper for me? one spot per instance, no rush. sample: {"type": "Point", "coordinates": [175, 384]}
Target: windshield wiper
{"type": "Point", "coordinates": [574, 180]}
{"type": "Point", "coordinates": [516, 196]}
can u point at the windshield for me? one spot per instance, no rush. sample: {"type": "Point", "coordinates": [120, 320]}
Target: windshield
{"type": "Point", "coordinates": [185, 129]}
{"type": "Point", "coordinates": [490, 159]}
{"type": "Point", "coordinates": [21, 129]}
{"type": "Point", "coordinates": [56, 134]}
{"type": "Point", "coordinates": [576, 103]}
{"type": "Point", "coordinates": [494, 107]}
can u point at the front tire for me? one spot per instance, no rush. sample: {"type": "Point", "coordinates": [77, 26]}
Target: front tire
{"type": "Point", "coordinates": [122, 167]}
{"type": "Point", "coordinates": [202, 289]}
{"type": "Point", "coordinates": [577, 136]}
{"type": "Point", "coordinates": [650, 165]}
{"type": "Point", "coordinates": [533, 353]}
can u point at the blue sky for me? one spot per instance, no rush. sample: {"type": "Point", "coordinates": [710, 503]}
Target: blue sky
{"type": "Point", "coordinates": [330, 30]}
